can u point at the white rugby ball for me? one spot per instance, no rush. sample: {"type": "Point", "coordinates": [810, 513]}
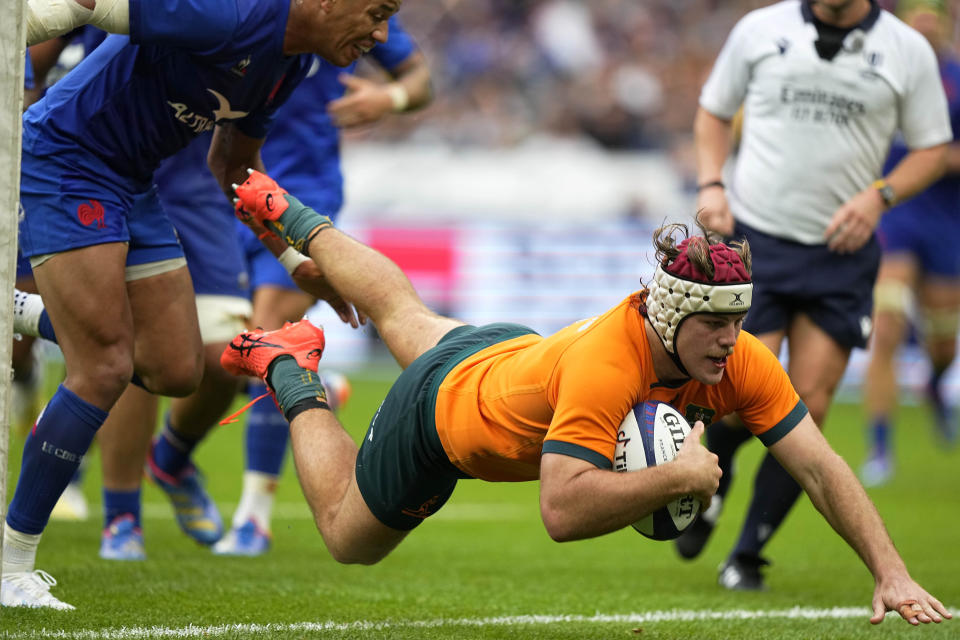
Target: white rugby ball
{"type": "Point", "coordinates": [652, 434]}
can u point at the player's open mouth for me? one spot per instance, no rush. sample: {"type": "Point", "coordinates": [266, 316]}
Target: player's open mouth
{"type": "Point", "coordinates": [720, 362]}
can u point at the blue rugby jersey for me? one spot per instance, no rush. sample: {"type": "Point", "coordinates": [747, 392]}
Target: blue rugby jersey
{"type": "Point", "coordinates": [187, 65]}
{"type": "Point", "coordinates": [944, 194]}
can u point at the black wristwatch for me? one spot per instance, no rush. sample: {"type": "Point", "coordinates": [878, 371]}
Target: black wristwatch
{"type": "Point", "coordinates": [886, 192]}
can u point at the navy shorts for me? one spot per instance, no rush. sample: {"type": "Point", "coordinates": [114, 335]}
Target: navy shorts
{"type": "Point", "coordinates": [834, 290]}
{"type": "Point", "coordinates": [933, 243]}
{"type": "Point", "coordinates": [403, 472]}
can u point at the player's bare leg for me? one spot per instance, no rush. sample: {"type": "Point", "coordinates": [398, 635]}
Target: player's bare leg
{"type": "Point", "coordinates": [940, 318]}
{"type": "Point", "coordinates": [893, 304]}
{"type": "Point", "coordinates": [325, 456]}
{"type": "Point", "coordinates": [124, 439]}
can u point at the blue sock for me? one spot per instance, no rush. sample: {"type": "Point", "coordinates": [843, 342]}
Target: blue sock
{"type": "Point", "coordinates": [51, 455]}
{"type": "Point", "coordinates": [267, 435]}
{"type": "Point", "coordinates": [774, 493]}
{"type": "Point", "coordinates": [45, 328]}
{"type": "Point", "coordinates": [118, 503]}
{"type": "Point", "coordinates": [936, 397]}
{"type": "Point", "coordinates": [171, 450]}
{"type": "Point", "coordinates": [880, 436]}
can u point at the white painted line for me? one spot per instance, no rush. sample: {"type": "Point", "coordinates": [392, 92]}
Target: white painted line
{"type": "Point", "coordinates": [673, 615]}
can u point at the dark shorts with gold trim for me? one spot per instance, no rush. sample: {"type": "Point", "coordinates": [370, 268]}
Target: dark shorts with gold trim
{"type": "Point", "coordinates": [403, 472]}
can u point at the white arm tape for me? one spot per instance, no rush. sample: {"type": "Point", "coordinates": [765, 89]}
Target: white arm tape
{"type": "Point", "coordinates": [48, 19]}
{"type": "Point", "coordinates": [399, 97]}
{"type": "Point", "coordinates": [291, 259]}
{"type": "Point", "coordinates": [113, 16]}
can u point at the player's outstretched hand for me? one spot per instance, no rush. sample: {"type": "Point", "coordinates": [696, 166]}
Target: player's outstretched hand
{"type": "Point", "coordinates": [703, 467]}
{"type": "Point", "coordinates": [909, 599]}
{"type": "Point", "coordinates": [259, 198]}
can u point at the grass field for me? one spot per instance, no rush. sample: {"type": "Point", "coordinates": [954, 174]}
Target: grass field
{"type": "Point", "coordinates": [485, 568]}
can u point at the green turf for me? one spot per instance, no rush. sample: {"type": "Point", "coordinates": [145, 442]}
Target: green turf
{"type": "Point", "coordinates": [486, 555]}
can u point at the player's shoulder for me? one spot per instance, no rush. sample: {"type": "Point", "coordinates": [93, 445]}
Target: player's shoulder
{"type": "Point", "coordinates": [755, 27]}
{"type": "Point", "coordinates": [779, 13]}
{"type": "Point", "coordinates": [896, 34]}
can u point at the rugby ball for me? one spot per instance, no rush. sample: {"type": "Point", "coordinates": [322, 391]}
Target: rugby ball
{"type": "Point", "coordinates": [652, 434]}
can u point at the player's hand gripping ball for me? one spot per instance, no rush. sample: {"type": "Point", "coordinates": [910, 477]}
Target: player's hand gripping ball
{"type": "Point", "coordinates": [652, 434]}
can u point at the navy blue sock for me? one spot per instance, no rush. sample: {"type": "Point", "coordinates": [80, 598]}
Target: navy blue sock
{"type": "Point", "coordinates": [171, 450]}
{"type": "Point", "coordinates": [51, 455]}
{"type": "Point", "coordinates": [936, 397]}
{"type": "Point", "coordinates": [724, 441]}
{"type": "Point", "coordinates": [880, 436]}
{"type": "Point", "coordinates": [45, 328]}
{"type": "Point", "coordinates": [267, 435]}
{"type": "Point", "coordinates": [118, 503]}
{"type": "Point", "coordinates": [774, 493]}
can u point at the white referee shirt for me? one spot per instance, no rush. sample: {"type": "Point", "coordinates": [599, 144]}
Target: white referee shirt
{"type": "Point", "coordinates": [816, 132]}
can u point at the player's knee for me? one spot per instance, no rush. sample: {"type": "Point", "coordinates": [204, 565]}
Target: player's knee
{"type": "Point", "coordinates": [351, 553]}
{"type": "Point", "coordinates": [176, 377]}
{"type": "Point", "coordinates": [103, 376]}
{"type": "Point", "coordinates": [893, 297]}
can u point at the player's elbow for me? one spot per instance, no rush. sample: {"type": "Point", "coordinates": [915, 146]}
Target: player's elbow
{"type": "Point", "coordinates": [560, 523]}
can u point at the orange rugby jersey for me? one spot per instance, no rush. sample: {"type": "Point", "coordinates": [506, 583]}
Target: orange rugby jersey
{"type": "Point", "coordinates": [568, 393]}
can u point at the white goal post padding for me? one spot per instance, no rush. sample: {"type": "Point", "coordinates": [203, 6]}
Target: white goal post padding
{"type": "Point", "coordinates": [12, 43]}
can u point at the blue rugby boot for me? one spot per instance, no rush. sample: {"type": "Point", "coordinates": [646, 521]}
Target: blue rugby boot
{"type": "Point", "coordinates": [122, 540]}
{"type": "Point", "coordinates": [247, 540]}
{"type": "Point", "coordinates": [196, 512]}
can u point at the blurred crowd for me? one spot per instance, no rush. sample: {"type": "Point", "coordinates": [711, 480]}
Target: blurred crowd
{"type": "Point", "coordinates": [618, 74]}
{"type": "Point", "coordinates": [621, 74]}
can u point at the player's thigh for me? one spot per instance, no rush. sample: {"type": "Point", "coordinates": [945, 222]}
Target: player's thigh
{"type": "Point", "coordinates": [817, 363]}
{"type": "Point", "coordinates": [85, 294]}
{"type": "Point", "coordinates": [772, 340]}
{"type": "Point", "coordinates": [939, 292]}
{"type": "Point", "coordinates": [360, 537]}
{"type": "Point", "coordinates": [168, 347]}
